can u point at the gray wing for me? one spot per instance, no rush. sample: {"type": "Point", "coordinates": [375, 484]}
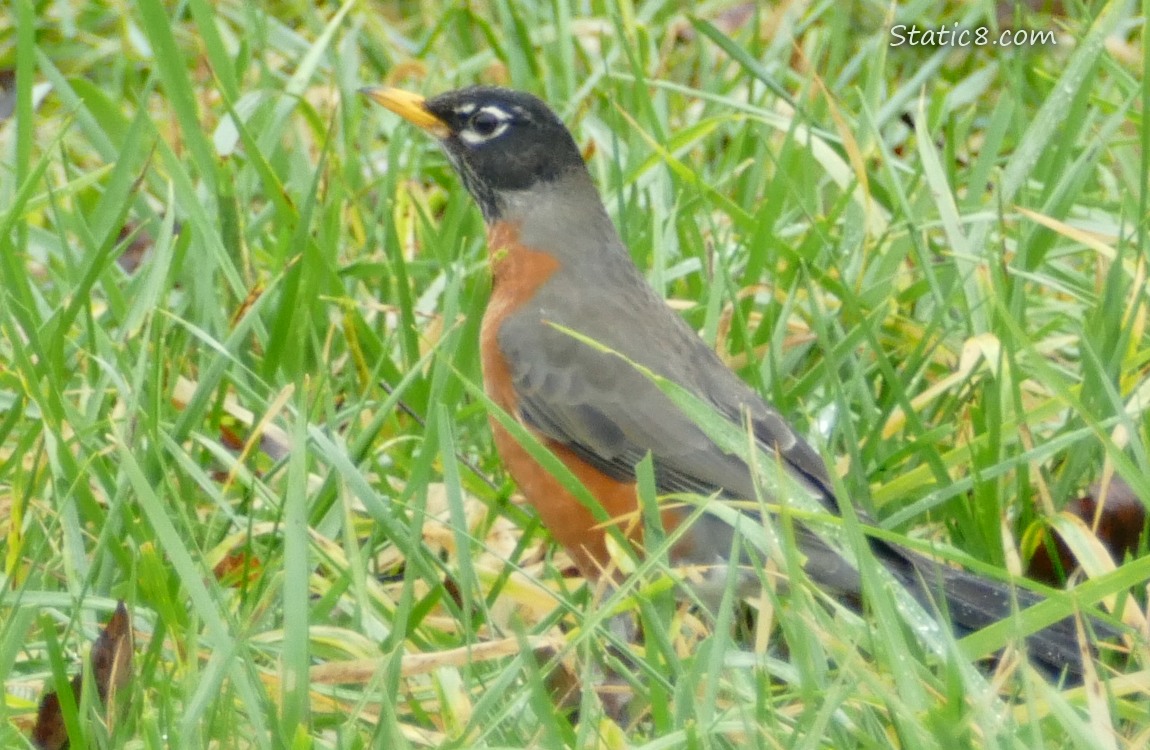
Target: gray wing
{"type": "Point", "coordinates": [610, 414]}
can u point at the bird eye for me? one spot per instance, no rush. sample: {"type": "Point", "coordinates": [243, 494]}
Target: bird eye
{"type": "Point", "coordinates": [484, 123]}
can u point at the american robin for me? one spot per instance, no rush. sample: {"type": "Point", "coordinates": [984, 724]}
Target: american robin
{"type": "Point", "coordinates": [559, 266]}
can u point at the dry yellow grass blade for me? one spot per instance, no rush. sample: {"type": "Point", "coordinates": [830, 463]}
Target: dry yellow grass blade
{"type": "Point", "coordinates": [271, 439]}
{"type": "Point", "coordinates": [1092, 555]}
{"type": "Point", "coordinates": [979, 349]}
{"type": "Point", "coordinates": [360, 671]}
{"type": "Point", "coordinates": [1092, 240]}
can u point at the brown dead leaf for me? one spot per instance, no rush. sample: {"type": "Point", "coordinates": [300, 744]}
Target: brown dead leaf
{"type": "Point", "coordinates": [238, 568]}
{"type": "Point", "coordinates": [111, 670]}
{"type": "Point", "coordinates": [137, 250]}
{"type": "Point", "coordinates": [1115, 514]}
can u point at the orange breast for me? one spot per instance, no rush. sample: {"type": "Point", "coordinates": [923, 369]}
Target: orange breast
{"type": "Point", "coordinates": [517, 274]}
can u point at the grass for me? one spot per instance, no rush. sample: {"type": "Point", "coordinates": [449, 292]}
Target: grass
{"type": "Point", "coordinates": [932, 260]}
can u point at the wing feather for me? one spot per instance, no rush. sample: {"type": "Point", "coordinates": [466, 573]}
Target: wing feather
{"type": "Point", "coordinates": [610, 414]}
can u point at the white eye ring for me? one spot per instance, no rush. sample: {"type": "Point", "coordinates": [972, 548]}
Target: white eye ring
{"type": "Point", "coordinates": [486, 124]}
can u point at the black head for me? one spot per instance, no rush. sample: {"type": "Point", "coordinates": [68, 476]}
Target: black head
{"type": "Point", "coordinates": [500, 141]}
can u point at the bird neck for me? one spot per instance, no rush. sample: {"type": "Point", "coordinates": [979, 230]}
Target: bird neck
{"type": "Point", "coordinates": [517, 270]}
{"type": "Point", "coordinates": [563, 218]}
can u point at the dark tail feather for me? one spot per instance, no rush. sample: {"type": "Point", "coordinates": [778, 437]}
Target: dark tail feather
{"type": "Point", "coordinates": [974, 602]}
{"type": "Point", "coordinates": [971, 602]}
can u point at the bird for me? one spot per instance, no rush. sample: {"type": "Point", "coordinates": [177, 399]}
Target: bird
{"type": "Point", "coordinates": [570, 339]}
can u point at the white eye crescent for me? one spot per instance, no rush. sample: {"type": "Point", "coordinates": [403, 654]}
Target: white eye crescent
{"type": "Point", "coordinates": [484, 125]}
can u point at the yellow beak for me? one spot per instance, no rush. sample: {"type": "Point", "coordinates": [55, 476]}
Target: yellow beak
{"type": "Point", "coordinates": [409, 106]}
